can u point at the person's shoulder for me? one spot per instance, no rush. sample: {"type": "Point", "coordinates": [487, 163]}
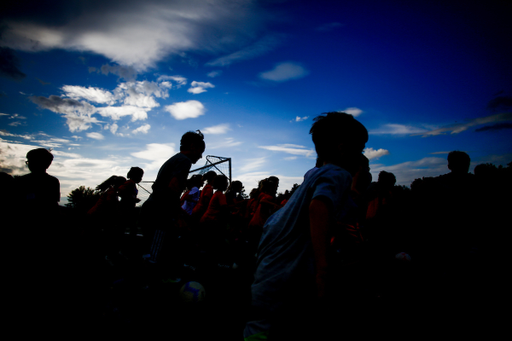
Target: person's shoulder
{"type": "Point", "coordinates": [332, 172]}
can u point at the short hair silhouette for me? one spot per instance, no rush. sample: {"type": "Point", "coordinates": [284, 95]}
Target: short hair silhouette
{"type": "Point", "coordinates": [191, 138]}
{"type": "Point", "coordinates": [458, 162]}
{"type": "Point", "coordinates": [135, 172]}
{"type": "Point", "coordinates": [332, 128]}
{"type": "Point", "coordinates": [39, 159]}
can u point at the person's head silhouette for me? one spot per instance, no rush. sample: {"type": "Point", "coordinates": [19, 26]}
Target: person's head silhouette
{"type": "Point", "coordinates": [38, 160]}
{"type": "Point", "coordinates": [458, 162]}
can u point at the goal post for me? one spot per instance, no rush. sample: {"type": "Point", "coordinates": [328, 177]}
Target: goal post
{"type": "Point", "coordinates": [219, 164]}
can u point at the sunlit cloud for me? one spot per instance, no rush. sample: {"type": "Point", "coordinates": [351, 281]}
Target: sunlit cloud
{"type": "Point", "coordinates": [218, 129]}
{"type": "Point", "coordinates": [396, 129]}
{"type": "Point", "coordinates": [300, 119]}
{"type": "Point", "coordinates": [199, 87]}
{"type": "Point", "coordinates": [406, 172]}
{"type": "Point", "coordinates": [90, 94]}
{"type": "Point", "coordinates": [353, 111]}
{"type": "Point", "coordinates": [284, 72]}
{"type": "Point", "coordinates": [226, 143]}
{"type": "Point", "coordinates": [157, 154]}
{"type": "Point", "coordinates": [371, 153]}
{"type": "Point", "coordinates": [96, 136]}
{"type": "Point", "coordinates": [184, 110]}
{"type": "Point", "coordinates": [180, 80]}
{"type": "Point", "coordinates": [157, 28]}
{"type": "Point", "coordinates": [251, 165]}
{"type": "Point", "coordinates": [291, 149]}
{"type": "Point", "coordinates": [144, 129]}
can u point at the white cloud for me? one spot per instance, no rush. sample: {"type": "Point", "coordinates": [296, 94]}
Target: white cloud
{"type": "Point", "coordinates": [251, 165]}
{"type": "Point", "coordinates": [300, 119]}
{"type": "Point", "coordinates": [115, 113]}
{"type": "Point", "coordinates": [396, 129]}
{"type": "Point", "coordinates": [113, 128]}
{"type": "Point", "coordinates": [218, 129]}
{"type": "Point", "coordinates": [406, 172]}
{"type": "Point", "coordinates": [284, 72]}
{"type": "Point", "coordinates": [371, 153]}
{"type": "Point", "coordinates": [199, 87]}
{"type": "Point", "coordinates": [96, 136]}
{"type": "Point", "coordinates": [157, 153]}
{"type": "Point", "coordinates": [78, 114]}
{"type": "Point", "coordinates": [184, 110]}
{"type": "Point", "coordinates": [353, 111]}
{"type": "Point", "coordinates": [144, 129]}
{"type": "Point", "coordinates": [178, 79]}
{"type": "Point", "coordinates": [142, 32]}
{"type": "Point", "coordinates": [90, 94]}
{"type": "Point", "coordinates": [291, 149]}
{"type": "Point", "coordinates": [226, 143]}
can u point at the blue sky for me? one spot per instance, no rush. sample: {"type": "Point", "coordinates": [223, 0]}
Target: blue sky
{"type": "Point", "coordinates": [113, 84]}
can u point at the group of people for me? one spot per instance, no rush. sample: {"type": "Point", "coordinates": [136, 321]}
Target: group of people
{"type": "Point", "coordinates": [317, 256]}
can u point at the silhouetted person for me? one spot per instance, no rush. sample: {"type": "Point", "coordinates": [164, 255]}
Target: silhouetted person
{"type": "Point", "coordinates": [293, 268]}
{"type": "Point", "coordinates": [38, 190]}
{"type": "Point", "coordinates": [128, 200]}
{"type": "Point", "coordinates": [191, 197]}
{"type": "Point", "coordinates": [162, 210]}
{"type": "Point", "coordinates": [205, 197]}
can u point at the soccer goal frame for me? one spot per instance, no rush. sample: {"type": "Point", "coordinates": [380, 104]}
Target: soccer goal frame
{"type": "Point", "coordinates": [213, 163]}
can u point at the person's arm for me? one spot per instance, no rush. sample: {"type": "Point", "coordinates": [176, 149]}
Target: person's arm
{"type": "Point", "coordinates": [320, 217]}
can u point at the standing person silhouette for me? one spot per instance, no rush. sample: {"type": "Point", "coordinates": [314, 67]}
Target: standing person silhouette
{"type": "Point", "coordinates": [162, 210]}
{"type": "Point", "coordinates": [291, 282]}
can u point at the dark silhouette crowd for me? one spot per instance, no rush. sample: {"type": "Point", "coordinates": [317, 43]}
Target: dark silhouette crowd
{"type": "Point", "coordinates": [337, 253]}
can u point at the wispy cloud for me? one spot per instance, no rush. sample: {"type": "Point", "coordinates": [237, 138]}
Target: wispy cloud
{"type": "Point", "coordinates": [184, 110]}
{"type": "Point", "coordinates": [180, 80]}
{"type": "Point", "coordinates": [283, 72]}
{"type": "Point", "coordinates": [262, 46]}
{"type": "Point", "coordinates": [156, 153]}
{"type": "Point", "coordinates": [218, 129]}
{"type": "Point", "coordinates": [157, 28]}
{"type": "Point", "coordinates": [199, 87]}
{"type": "Point", "coordinates": [397, 129]}
{"type": "Point", "coordinates": [251, 165]}
{"type": "Point", "coordinates": [460, 127]}
{"type": "Point", "coordinates": [90, 94]}
{"type": "Point", "coordinates": [96, 136]}
{"type": "Point", "coordinates": [228, 142]}
{"type": "Point", "coordinates": [127, 72]}
{"type": "Point", "coordinates": [214, 74]}
{"type": "Point", "coordinates": [291, 149]}
{"type": "Point", "coordinates": [78, 114]}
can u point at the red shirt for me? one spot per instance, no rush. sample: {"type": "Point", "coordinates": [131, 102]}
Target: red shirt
{"type": "Point", "coordinates": [204, 201]}
{"type": "Point", "coordinates": [216, 208]}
